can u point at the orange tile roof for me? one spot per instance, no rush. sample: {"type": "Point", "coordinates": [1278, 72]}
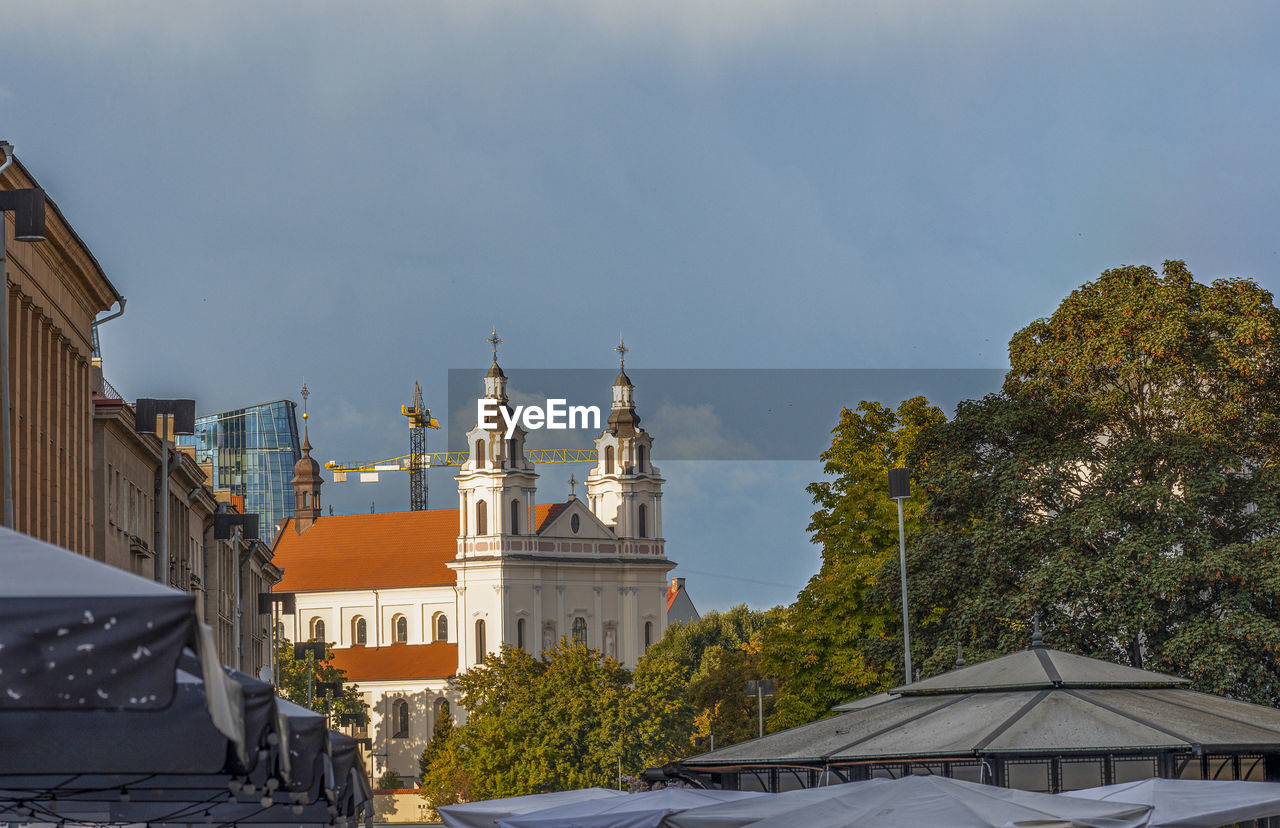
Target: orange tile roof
{"type": "Point", "coordinates": [398, 661]}
{"type": "Point", "coordinates": [390, 549]}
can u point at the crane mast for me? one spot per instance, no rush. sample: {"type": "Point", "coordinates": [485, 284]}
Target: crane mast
{"type": "Point", "coordinates": [420, 420]}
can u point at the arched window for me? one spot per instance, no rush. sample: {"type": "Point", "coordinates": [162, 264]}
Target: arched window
{"type": "Point", "coordinates": [399, 629]}
{"type": "Point", "coordinates": [640, 459]}
{"type": "Point", "coordinates": [643, 521]}
{"type": "Point", "coordinates": [360, 631]}
{"type": "Point", "coordinates": [608, 459]}
{"type": "Point", "coordinates": [479, 454]}
{"type": "Point", "coordinates": [440, 712]}
{"type": "Point", "coordinates": [648, 634]}
{"type": "Point", "coordinates": [480, 648]}
{"type": "Point", "coordinates": [515, 517]}
{"type": "Point", "coordinates": [400, 719]}
{"type": "Point", "coordinates": [442, 627]}
{"type": "Point", "coordinates": [580, 630]}
{"type": "Point", "coordinates": [482, 518]}
{"type": "Point", "coordinates": [279, 631]}
{"type": "Point", "coordinates": [306, 499]}
{"type": "Point", "coordinates": [317, 629]}
{"type": "Point", "coordinates": [520, 633]}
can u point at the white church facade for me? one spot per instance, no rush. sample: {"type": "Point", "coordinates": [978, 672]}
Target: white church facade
{"type": "Point", "coordinates": [410, 599]}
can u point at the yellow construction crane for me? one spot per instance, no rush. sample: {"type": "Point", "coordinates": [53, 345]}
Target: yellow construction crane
{"type": "Point", "coordinates": [449, 458]}
{"type": "Point", "coordinates": [420, 420]}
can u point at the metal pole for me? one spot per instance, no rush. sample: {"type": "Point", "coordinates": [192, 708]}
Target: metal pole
{"type": "Point", "coordinates": [7, 445]}
{"type": "Point", "coordinates": [311, 660]}
{"type": "Point", "coordinates": [235, 607]}
{"type": "Point", "coordinates": [162, 542]}
{"type": "Point", "coordinates": [760, 706]}
{"type": "Point", "coordinates": [902, 563]}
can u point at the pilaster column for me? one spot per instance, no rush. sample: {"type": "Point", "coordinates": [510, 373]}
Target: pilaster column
{"type": "Point", "coordinates": [598, 626]}
{"type": "Point", "coordinates": [559, 613]}
{"type": "Point", "coordinates": [536, 648]}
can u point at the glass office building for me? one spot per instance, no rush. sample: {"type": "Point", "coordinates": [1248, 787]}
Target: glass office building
{"type": "Point", "coordinates": [252, 451]}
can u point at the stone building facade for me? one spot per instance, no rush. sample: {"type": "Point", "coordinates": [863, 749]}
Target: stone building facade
{"type": "Point", "coordinates": [55, 289]}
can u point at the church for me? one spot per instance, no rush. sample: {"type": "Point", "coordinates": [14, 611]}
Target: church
{"type": "Point", "coordinates": [410, 599]}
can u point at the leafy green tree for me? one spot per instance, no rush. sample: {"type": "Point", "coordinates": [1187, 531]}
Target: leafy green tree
{"type": "Point", "coordinates": [1123, 483]}
{"type": "Point", "coordinates": [571, 719]}
{"type": "Point", "coordinates": [390, 781]}
{"type": "Point", "coordinates": [716, 655]}
{"type": "Point", "coordinates": [293, 684]}
{"type": "Point", "coordinates": [841, 638]}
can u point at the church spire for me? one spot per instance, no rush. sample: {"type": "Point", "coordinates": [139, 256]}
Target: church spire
{"type": "Point", "coordinates": [495, 382]}
{"type": "Point", "coordinates": [623, 419]}
{"type": "Point", "coordinates": [306, 480]}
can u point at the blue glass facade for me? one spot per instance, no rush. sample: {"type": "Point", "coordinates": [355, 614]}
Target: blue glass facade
{"type": "Point", "coordinates": [252, 451]}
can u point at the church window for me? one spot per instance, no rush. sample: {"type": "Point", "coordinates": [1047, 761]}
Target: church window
{"type": "Point", "coordinates": [482, 518]}
{"type": "Point", "coordinates": [441, 711]}
{"type": "Point", "coordinates": [575, 524]}
{"type": "Point", "coordinates": [640, 459]}
{"type": "Point", "coordinates": [279, 631]}
{"type": "Point", "coordinates": [442, 627]}
{"type": "Point", "coordinates": [317, 629]}
{"type": "Point", "coordinates": [400, 629]}
{"type": "Point", "coordinates": [520, 633]}
{"type": "Point", "coordinates": [648, 634]}
{"type": "Point", "coordinates": [579, 630]}
{"type": "Point", "coordinates": [608, 459]}
{"type": "Point", "coordinates": [515, 517]}
{"type": "Point", "coordinates": [400, 719]}
{"type": "Point", "coordinates": [643, 521]}
{"type": "Point", "coordinates": [479, 454]}
{"type": "Point", "coordinates": [306, 498]}
{"type": "Point", "coordinates": [480, 648]}
{"type": "Point", "coordinates": [360, 631]}
{"type": "Point", "coordinates": [512, 461]}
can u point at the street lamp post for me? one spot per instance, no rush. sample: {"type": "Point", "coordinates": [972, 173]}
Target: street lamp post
{"type": "Point", "coordinates": [900, 490]}
{"type": "Point", "coordinates": [237, 527]}
{"type": "Point", "coordinates": [165, 419]}
{"type": "Point", "coordinates": [288, 605]}
{"type": "Point", "coordinates": [28, 219]}
{"type": "Point", "coordinates": [759, 689]}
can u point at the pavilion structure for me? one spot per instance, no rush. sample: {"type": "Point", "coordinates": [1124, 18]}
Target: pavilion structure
{"type": "Point", "coordinates": [1037, 720]}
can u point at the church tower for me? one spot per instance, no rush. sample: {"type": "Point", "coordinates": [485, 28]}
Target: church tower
{"type": "Point", "coordinates": [496, 484]}
{"type": "Point", "coordinates": [624, 489]}
{"type": "Point", "coordinates": [306, 479]}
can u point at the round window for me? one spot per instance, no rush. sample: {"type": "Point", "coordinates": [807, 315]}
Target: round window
{"type": "Point", "coordinates": [574, 524]}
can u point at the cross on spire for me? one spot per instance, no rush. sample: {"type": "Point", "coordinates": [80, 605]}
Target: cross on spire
{"type": "Point", "coordinates": [573, 486]}
{"type": "Point", "coordinates": [305, 394]}
{"type": "Point", "coordinates": [494, 340]}
{"type": "Point", "coordinates": [622, 350]}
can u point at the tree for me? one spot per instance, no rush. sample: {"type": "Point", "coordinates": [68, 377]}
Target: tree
{"type": "Point", "coordinates": [293, 684]}
{"type": "Point", "coordinates": [571, 719]}
{"type": "Point", "coordinates": [716, 655]}
{"type": "Point", "coordinates": [1123, 483]}
{"type": "Point", "coordinates": [390, 781]}
{"type": "Point", "coordinates": [841, 638]}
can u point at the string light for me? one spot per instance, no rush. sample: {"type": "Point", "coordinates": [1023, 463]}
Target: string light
{"type": "Point", "coordinates": [124, 795]}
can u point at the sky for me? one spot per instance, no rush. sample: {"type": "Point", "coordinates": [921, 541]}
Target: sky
{"type": "Point", "coordinates": [355, 194]}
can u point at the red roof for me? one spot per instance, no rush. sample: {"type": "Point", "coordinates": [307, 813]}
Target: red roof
{"type": "Point", "coordinates": [398, 661]}
{"type": "Point", "coordinates": [390, 549]}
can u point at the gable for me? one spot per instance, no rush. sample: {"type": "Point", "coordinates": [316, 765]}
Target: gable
{"type": "Point", "coordinates": [559, 524]}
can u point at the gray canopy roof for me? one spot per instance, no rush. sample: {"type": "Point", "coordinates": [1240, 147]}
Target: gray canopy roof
{"type": "Point", "coordinates": [1037, 701]}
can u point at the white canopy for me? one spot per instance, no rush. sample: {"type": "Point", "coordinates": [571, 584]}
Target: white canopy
{"type": "Point", "coordinates": [744, 812]}
{"type": "Point", "coordinates": [642, 810]}
{"type": "Point", "coordinates": [486, 813]}
{"type": "Point", "coordinates": [1193, 803]}
{"type": "Point", "coordinates": [935, 800]}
